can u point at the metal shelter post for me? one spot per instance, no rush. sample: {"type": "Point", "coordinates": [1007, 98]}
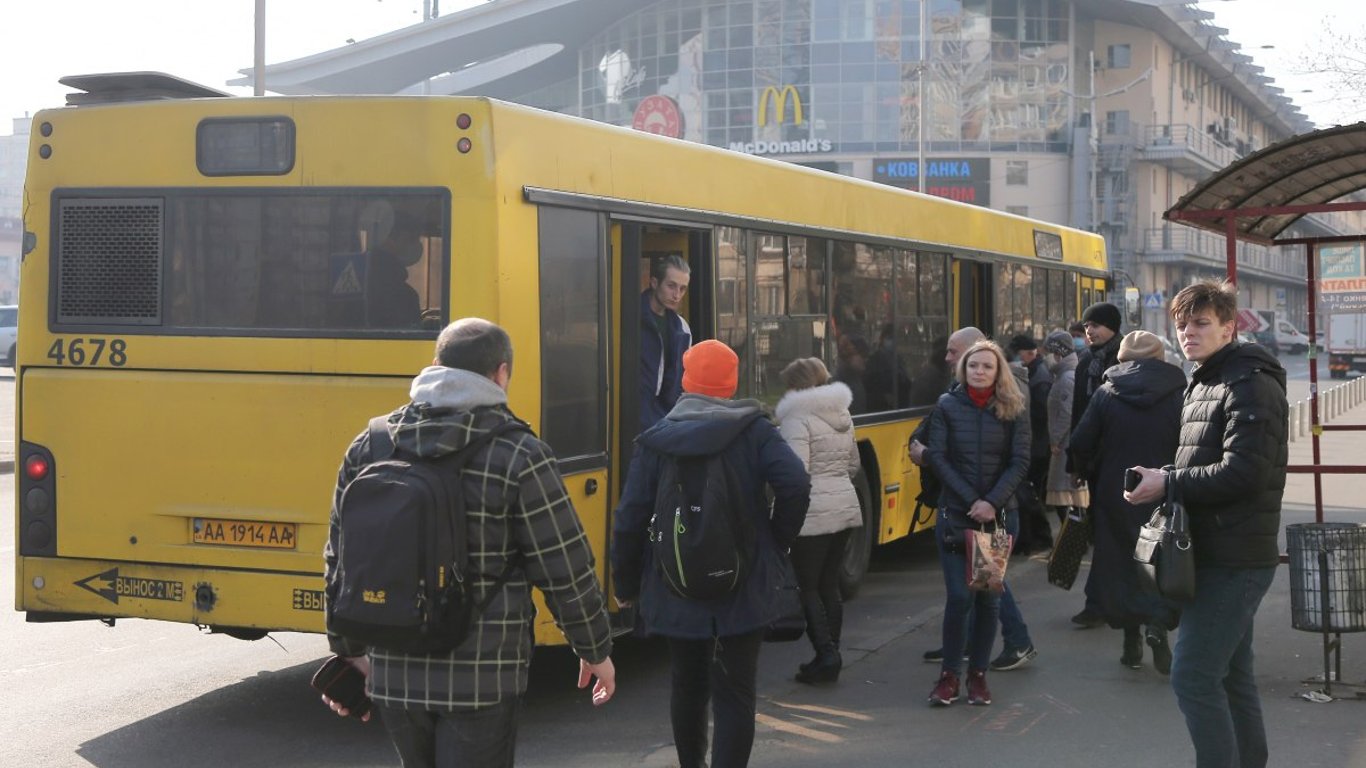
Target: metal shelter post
{"type": "Point", "coordinates": [1315, 431]}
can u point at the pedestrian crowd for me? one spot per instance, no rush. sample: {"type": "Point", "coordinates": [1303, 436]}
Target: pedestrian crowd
{"type": "Point", "coordinates": [727, 509]}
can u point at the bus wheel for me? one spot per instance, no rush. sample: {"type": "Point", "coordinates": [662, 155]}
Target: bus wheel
{"type": "Point", "coordinates": [860, 546]}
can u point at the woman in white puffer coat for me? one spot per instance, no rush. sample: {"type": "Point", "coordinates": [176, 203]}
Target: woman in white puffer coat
{"type": "Point", "coordinates": [814, 419]}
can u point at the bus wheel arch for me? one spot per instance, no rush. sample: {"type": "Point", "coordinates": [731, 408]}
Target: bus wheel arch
{"type": "Point", "coordinates": [859, 549]}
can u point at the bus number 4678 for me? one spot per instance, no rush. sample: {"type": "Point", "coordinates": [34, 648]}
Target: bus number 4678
{"type": "Point", "coordinates": [92, 351]}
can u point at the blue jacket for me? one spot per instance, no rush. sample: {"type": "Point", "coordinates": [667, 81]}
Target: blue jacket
{"type": "Point", "coordinates": [661, 364]}
{"type": "Point", "coordinates": [702, 426]}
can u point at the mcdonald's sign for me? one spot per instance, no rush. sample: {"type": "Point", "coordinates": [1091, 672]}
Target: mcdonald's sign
{"type": "Point", "coordinates": [779, 97]}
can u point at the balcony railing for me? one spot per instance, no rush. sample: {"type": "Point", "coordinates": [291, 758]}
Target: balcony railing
{"type": "Point", "coordinates": [1186, 147]}
{"type": "Point", "coordinates": [1176, 244]}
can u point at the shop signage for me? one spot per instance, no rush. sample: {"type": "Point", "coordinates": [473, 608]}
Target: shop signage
{"type": "Point", "coordinates": [658, 115]}
{"type": "Point", "coordinates": [965, 179]}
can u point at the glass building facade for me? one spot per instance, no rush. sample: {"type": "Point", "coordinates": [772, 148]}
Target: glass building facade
{"type": "Point", "coordinates": [810, 77]}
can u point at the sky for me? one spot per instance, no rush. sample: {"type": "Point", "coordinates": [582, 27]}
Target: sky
{"type": "Point", "coordinates": [209, 41]}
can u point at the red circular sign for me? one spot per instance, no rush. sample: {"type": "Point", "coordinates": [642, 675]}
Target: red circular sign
{"type": "Point", "coordinates": [659, 115]}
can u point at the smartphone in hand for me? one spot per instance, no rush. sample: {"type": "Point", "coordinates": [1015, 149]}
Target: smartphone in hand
{"type": "Point", "coordinates": [1132, 478]}
{"type": "Point", "coordinates": [340, 681]}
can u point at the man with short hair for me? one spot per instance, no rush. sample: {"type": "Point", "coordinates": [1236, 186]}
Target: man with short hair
{"type": "Point", "coordinates": [1230, 474]}
{"type": "Point", "coordinates": [1035, 532]}
{"type": "Point", "coordinates": [664, 336]}
{"type": "Point", "coordinates": [459, 707]}
{"type": "Point", "coordinates": [1100, 322]}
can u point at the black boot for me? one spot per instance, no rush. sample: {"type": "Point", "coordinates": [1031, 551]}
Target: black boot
{"type": "Point", "coordinates": [1133, 649]}
{"type": "Point", "coordinates": [826, 669]}
{"type": "Point", "coordinates": [1162, 651]}
{"type": "Point", "coordinates": [818, 630]}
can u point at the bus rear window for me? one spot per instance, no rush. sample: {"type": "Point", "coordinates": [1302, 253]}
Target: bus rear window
{"type": "Point", "coordinates": [260, 262]}
{"type": "Point", "coordinates": [256, 146]}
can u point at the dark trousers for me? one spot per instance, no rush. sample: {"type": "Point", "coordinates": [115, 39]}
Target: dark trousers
{"type": "Point", "coordinates": [721, 671]}
{"type": "Point", "coordinates": [476, 738]}
{"type": "Point", "coordinates": [816, 560]}
{"type": "Point", "coordinates": [1035, 532]}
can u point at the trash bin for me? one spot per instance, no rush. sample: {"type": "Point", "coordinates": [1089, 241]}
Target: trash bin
{"type": "Point", "coordinates": [1338, 550]}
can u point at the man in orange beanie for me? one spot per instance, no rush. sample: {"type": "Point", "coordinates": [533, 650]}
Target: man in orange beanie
{"type": "Point", "coordinates": [714, 642]}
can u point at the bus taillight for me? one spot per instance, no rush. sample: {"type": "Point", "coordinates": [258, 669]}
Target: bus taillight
{"type": "Point", "coordinates": [37, 502]}
{"type": "Point", "coordinates": [36, 467]}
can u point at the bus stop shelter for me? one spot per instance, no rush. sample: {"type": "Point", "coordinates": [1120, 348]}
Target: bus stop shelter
{"type": "Point", "coordinates": [1257, 199]}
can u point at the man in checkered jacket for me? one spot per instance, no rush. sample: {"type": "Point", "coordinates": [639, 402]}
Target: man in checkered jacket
{"type": "Point", "coordinates": [459, 707]}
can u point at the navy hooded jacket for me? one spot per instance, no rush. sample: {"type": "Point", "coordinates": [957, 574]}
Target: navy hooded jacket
{"type": "Point", "coordinates": [661, 362]}
{"type": "Point", "coordinates": [702, 426]}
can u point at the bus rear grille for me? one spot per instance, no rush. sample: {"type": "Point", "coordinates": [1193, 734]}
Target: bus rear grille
{"type": "Point", "coordinates": [109, 262]}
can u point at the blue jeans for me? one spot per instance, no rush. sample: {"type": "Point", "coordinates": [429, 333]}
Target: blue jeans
{"type": "Point", "coordinates": [476, 738]}
{"type": "Point", "coordinates": [1212, 668]}
{"type": "Point", "coordinates": [1014, 631]}
{"type": "Point", "coordinates": [969, 616]}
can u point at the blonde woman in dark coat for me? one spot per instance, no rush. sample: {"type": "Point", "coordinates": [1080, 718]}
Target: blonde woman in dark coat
{"type": "Point", "coordinates": [979, 447]}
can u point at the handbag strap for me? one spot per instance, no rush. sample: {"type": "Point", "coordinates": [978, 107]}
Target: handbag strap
{"type": "Point", "coordinates": [1177, 522]}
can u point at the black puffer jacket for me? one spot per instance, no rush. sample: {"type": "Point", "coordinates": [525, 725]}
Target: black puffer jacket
{"type": "Point", "coordinates": [975, 454]}
{"type": "Point", "coordinates": [1230, 463]}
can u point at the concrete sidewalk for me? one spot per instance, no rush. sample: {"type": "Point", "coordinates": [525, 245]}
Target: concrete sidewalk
{"type": "Point", "coordinates": [1074, 706]}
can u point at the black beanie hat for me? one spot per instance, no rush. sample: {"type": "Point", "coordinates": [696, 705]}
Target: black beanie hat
{"type": "Point", "coordinates": [1102, 313]}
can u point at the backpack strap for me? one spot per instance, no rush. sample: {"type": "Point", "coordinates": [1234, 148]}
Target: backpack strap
{"type": "Point", "coordinates": [381, 444]}
{"type": "Point", "coordinates": [454, 463]}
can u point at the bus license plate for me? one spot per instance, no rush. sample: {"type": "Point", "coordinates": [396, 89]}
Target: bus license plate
{"type": "Point", "coordinates": [244, 533]}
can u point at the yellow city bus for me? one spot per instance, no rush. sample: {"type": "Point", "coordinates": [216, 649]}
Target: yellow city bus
{"type": "Point", "coordinates": [219, 292]}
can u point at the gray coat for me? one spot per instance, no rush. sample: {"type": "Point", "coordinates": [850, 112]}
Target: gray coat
{"type": "Point", "coordinates": [1060, 421]}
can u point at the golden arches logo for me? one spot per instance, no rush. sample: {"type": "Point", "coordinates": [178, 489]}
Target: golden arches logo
{"type": "Point", "coordinates": [779, 97]}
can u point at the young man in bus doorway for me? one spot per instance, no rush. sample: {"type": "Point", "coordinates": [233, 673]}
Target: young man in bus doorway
{"type": "Point", "coordinates": [1230, 473]}
{"type": "Point", "coordinates": [459, 707]}
{"type": "Point", "coordinates": [664, 337]}
{"type": "Point", "coordinates": [713, 644]}
{"type": "Point", "coordinates": [1018, 648]}
{"type": "Point", "coordinates": [1100, 322]}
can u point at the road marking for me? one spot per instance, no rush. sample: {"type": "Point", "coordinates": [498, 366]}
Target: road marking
{"type": "Point", "coordinates": [796, 730]}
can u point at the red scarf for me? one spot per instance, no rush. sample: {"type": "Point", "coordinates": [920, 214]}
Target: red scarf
{"type": "Point", "coordinates": [980, 397]}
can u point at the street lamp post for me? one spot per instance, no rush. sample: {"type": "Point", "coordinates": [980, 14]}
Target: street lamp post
{"type": "Point", "coordinates": [258, 70]}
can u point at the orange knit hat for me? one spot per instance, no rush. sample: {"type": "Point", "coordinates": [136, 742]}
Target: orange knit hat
{"type": "Point", "coordinates": [710, 368]}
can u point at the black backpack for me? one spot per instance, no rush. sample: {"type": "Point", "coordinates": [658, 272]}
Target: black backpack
{"type": "Point", "coordinates": [701, 534]}
{"type": "Point", "coordinates": [402, 552]}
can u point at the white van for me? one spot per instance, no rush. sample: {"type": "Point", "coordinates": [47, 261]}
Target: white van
{"type": "Point", "coordinates": [9, 332]}
{"type": "Point", "coordinates": [1289, 339]}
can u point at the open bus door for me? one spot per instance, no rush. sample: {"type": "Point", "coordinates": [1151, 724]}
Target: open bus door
{"type": "Point", "coordinates": [975, 291]}
{"type": "Point", "coordinates": [641, 244]}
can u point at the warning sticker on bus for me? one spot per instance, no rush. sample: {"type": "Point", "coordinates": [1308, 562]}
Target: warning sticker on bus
{"type": "Point", "coordinates": [244, 533]}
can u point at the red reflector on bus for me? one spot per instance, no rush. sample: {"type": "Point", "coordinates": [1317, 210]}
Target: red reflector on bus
{"type": "Point", "coordinates": [464, 145]}
{"type": "Point", "coordinates": [463, 121]}
{"type": "Point", "coordinates": [36, 467]}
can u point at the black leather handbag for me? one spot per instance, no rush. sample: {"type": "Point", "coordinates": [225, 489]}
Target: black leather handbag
{"type": "Point", "coordinates": [1073, 540]}
{"type": "Point", "coordinates": [791, 621]}
{"type": "Point", "coordinates": [1165, 554]}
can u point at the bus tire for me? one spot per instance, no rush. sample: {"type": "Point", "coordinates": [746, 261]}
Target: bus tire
{"type": "Point", "coordinates": [859, 548]}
